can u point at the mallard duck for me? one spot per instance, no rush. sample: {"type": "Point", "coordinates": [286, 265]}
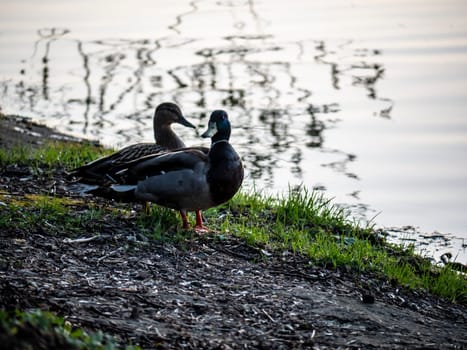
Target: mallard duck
{"type": "Point", "coordinates": [166, 114]}
{"type": "Point", "coordinates": [188, 179]}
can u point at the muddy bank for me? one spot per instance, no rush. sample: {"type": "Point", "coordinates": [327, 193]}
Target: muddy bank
{"type": "Point", "coordinates": [18, 130]}
{"type": "Point", "coordinates": [212, 293]}
{"type": "Point", "coordinates": [202, 292]}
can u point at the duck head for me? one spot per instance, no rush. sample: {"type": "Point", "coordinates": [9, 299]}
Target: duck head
{"type": "Point", "coordinates": [218, 126]}
{"type": "Point", "coordinates": [168, 113]}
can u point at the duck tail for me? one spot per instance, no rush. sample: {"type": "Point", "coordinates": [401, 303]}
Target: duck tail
{"type": "Point", "coordinates": [122, 193]}
{"type": "Point", "coordinates": [123, 188]}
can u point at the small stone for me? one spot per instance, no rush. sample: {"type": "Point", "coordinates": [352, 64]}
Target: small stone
{"type": "Point", "coordinates": [368, 298]}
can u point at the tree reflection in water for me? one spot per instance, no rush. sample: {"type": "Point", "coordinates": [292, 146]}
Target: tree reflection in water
{"type": "Point", "coordinates": [282, 96]}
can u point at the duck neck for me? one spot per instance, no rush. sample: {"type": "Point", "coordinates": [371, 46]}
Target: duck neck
{"type": "Point", "coordinates": [220, 136]}
{"type": "Point", "coordinates": [218, 152]}
{"type": "Point", "coordinates": [218, 141]}
{"type": "Point", "coordinates": [166, 137]}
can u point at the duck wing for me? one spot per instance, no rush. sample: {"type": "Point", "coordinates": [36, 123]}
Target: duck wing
{"type": "Point", "coordinates": [162, 163]}
{"type": "Point", "coordinates": [102, 169]}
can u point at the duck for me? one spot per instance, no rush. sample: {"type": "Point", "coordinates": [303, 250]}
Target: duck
{"type": "Point", "coordinates": [188, 179]}
{"type": "Point", "coordinates": [101, 169]}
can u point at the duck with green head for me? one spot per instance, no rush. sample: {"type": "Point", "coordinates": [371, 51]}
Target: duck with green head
{"type": "Point", "coordinates": [187, 179]}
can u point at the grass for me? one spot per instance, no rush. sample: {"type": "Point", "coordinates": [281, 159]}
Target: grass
{"type": "Point", "coordinates": [164, 225]}
{"type": "Point", "coordinates": [20, 330]}
{"type": "Point", "coordinates": [52, 154]}
{"type": "Point", "coordinates": [45, 209]}
{"type": "Point", "coordinates": [42, 210]}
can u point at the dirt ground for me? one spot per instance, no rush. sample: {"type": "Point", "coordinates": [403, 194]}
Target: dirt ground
{"type": "Point", "coordinates": [211, 292]}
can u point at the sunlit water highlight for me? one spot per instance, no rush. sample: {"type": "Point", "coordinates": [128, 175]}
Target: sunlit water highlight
{"type": "Point", "coordinates": [363, 100]}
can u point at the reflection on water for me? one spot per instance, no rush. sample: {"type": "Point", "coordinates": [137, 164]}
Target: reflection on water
{"type": "Point", "coordinates": [109, 87]}
{"type": "Point", "coordinates": [287, 95]}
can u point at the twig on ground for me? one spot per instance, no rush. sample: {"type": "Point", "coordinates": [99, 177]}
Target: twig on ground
{"type": "Point", "coordinates": [80, 240]}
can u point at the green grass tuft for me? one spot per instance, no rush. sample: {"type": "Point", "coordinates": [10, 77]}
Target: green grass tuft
{"type": "Point", "coordinates": [307, 223]}
{"type": "Point", "coordinates": [56, 213]}
{"type": "Point", "coordinates": [53, 154]}
{"type": "Point", "coordinates": [21, 330]}
{"type": "Point", "coordinates": [160, 223]}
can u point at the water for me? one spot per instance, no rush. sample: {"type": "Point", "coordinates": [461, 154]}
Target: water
{"type": "Point", "coordinates": [363, 100]}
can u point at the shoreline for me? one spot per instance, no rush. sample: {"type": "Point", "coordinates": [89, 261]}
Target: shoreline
{"type": "Point", "coordinates": [23, 130]}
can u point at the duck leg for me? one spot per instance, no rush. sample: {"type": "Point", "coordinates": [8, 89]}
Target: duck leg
{"type": "Point", "coordinates": [199, 223]}
{"type": "Point", "coordinates": [186, 225]}
{"type": "Point", "coordinates": [147, 208]}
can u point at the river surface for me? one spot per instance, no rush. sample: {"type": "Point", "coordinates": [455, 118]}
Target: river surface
{"type": "Point", "coordinates": [363, 100]}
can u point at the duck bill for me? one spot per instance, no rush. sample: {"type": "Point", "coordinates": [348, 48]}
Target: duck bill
{"type": "Point", "coordinates": [185, 122]}
{"type": "Point", "coordinates": [212, 130]}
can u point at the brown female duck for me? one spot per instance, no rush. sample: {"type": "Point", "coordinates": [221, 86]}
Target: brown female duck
{"type": "Point", "coordinates": [101, 170]}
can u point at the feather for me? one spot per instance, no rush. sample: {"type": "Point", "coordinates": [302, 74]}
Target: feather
{"type": "Point", "coordinates": [123, 188]}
